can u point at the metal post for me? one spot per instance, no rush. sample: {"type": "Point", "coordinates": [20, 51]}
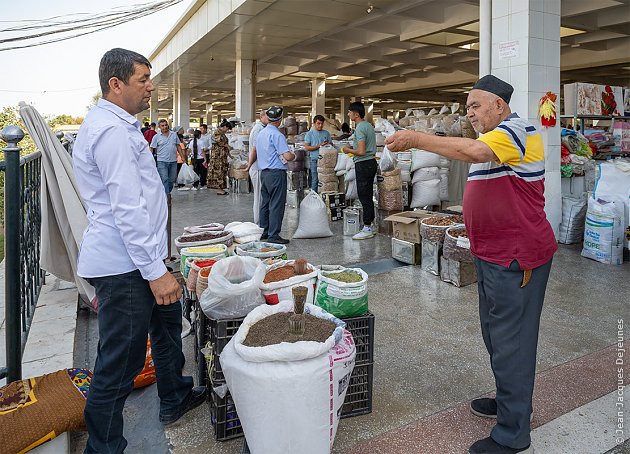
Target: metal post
{"type": "Point", "coordinates": [12, 135]}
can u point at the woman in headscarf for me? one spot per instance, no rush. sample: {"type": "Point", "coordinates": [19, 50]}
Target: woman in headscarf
{"type": "Point", "coordinates": [218, 166]}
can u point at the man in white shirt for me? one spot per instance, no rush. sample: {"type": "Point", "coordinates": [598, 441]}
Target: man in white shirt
{"type": "Point", "coordinates": [252, 164]}
{"type": "Point", "coordinates": [122, 255]}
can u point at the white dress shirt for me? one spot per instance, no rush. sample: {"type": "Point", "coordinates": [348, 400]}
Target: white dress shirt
{"type": "Point", "coordinates": [124, 197]}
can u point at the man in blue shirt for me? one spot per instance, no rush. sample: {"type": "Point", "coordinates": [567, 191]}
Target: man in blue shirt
{"type": "Point", "coordinates": [166, 145]}
{"type": "Point", "coordinates": [316, 137]}
{"type": "Point", "coordinates": [122, 255]}
{"type": "Point", "coordinates": [272, 153]}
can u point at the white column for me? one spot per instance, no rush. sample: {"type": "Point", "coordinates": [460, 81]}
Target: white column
{"type": "Point", "coordinates": [369, 112]}
{"type": "Point", "coordinates": [246, 90]}
{"type": "Point", "coordinates": [209, 112]}
{"type": "Point", "coordinates": [485, 37]}
{"type": "Point", "coordinates": [153, 109]}
{"type": "Point", "coordinates": [526, 53]}
{"type": "Point", "coordinates": [318, 97]}
{"type": "Point", "coordinates": [183, 109]}
{"type": "Point", "coordinates": [175, 120]}
{"type": "Point", "coordinates": [345, 103]}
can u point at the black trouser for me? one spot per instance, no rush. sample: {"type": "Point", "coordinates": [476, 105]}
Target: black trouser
{"type": "Point", "coordinates": [365, 172]}
{"type": "Point", "coordinates": [273, 191]}
{"type": "Point", "coordinates": [127, 312]}
{"type": "Point", "coordinates": [202, 171]}
{"type": "Point", "coordinates": [510, 318]}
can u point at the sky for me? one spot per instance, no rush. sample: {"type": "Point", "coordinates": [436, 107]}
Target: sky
{"type": "Point", "coordinates": [61, 78]}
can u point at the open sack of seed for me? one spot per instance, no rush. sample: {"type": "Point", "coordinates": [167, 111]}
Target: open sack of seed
{"type": "Point", "coordinates": [233, 288]}
{"type": "Point", "coordinates": [280, 278]}
{"type": "Point", "coordinates": [289, 393]}
{"type": "Point", "coordinates": [342, 291]}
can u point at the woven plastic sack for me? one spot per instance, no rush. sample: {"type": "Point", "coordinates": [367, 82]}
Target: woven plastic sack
{"type": "Point", "coordinates": [430, 231]}
{"type": "Point", "coordinates": [277, 291]}
{"type": "Point", "coordinates": [390, 181]}
{"type": "Point", "coordinates": [313, 218]}
{"type": "Point", "coordinates": [327, 176]}
{"type": "Point", "coordinates": [425, 174]}
{"type": "Point", "coordinates": [424, 193]}
{"type": "Point", "coordinates": [342, 299]}
{"type": "Point", "coordinates": [245, 232]}
{"type": "Point", "coordinates": [209, 252]}
{"type": "Point", "coordinates": [328, 187]}
{"type": "Point", "coordinates": [213, 227]}
{"type": "Point", "coordinates": [327, 157]}
{"type": "Point", "coordinates": [224, 237]}
{"type": "Point", "coordinates": [253, 249]}
{"type": "Point", "coordinates": [390, 200]}
{"type": "Point", "coordinates": [571, 228]}
{"type": "Point", "coordinates": [444, 194]}
{"type": "Point", "coordinates": [421, 158]}
{"type": "Point", "coordinates": [604, 230]}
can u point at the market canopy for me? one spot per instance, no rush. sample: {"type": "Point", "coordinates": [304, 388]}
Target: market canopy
{"type": "Point", "coordinates": [386, 50]}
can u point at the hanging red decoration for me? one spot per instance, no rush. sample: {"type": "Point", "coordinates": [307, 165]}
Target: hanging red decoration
{"type": "Point", "coordinates": [547, 109]}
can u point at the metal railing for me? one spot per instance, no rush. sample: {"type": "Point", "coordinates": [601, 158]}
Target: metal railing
{"type": "Point", "coordinates": [22, 232]}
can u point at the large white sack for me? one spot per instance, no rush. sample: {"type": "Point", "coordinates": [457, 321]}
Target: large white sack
{"type": "Point", "coordinates": [444, 185]}
{"type": "Point", "coordinates": [233, 288]}
{"type": "Point", "coordinates": [352, 192]}
{"type": "Point", "coordinates": [613, 179]}
{"type": "Point", "coordinates": [313, 218]}
{"type": "Point", "coordinates": [604, 230]}
{"type": "Point", "coordinates": [425, 193]}
{"type": "Point", "coordinates": [425, 174]}
{"type": "Point", "coordinates": [350, 175]}
{"type": "Point", "coordinates": [342, 162]}
{"type": "Point", "coordinates": [349, 163]}
{"type": "Point", "coordinates": [421, 158]}
{"type": "Point", "coordinates": [289, 396]}
{"type": "Point", "coordinates": [277, 291]}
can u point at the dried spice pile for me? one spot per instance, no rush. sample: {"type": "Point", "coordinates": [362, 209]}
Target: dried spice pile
{"type": "Point", "coordinates": [275, 329]}
{"type": "Point", "coordinates": [267, 249]}
{"type": "Point", "coordinates": [443, 221]}
{"type": "Point", "coordinates": [345, 276]}
{"type": "Point", "coordinates": [458, 233]}
{"type": "Point", "coordinates": [279, 274]}
{"type": "Point", "coordinates": [203, 236]}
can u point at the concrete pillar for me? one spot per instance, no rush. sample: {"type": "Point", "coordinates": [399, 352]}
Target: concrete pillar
{"type": "Point", "coordinates": [485, 37]}
{"type": "Point", "coordinates": [175, 120]}
{"type": "Point", "coordinates": [153, 109]}
{"type": "Point", "coordinates": [183, 109]}
{"type": "Point", "coordinates": [246, 90]}
{"type": "Point", "coordinates": [208, 118]}
{"type": "Point", "coordinates": [526, 53]}
{"type": "Point", "coordinates": [369, 112]}
{"type": "Point", "coordinates": [345, 103]}
{"type": "Point", "coordinates": [318, 97]}
{"type": "Point", "coordinates": [384, 114]}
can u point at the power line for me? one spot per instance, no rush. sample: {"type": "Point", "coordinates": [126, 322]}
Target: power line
{"type": "Point", "coordinates": [94, 23]}
{"type": "Point", "coordinates": [50, 91]}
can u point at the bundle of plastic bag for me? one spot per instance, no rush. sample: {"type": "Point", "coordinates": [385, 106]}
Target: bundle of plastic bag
{"type": "Point", "coordinates": [187, 175]}
{"type": "Point", "coordinates": [245, 232]}
{"type": "Point", "coordinates": [388, 161]}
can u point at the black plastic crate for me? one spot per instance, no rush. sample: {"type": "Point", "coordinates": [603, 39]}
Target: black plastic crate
{"type": "Point", "coordinates": [219, 333]}
{"type": "Point", "coordinates": [358, 399]}
{"type": "Point", "coordinates": [362, 329]}
{"type": "Point", "coordinates": [223, 417]}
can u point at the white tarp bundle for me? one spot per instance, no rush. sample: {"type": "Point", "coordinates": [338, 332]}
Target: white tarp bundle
{"type": "Point", "coordinates": [63, 213]}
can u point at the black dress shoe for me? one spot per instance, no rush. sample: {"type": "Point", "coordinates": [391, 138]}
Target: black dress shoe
{"type": "Point", "coordinates": [196, 397]}
{"type": "Point", "coordinates": [489, 446]}
{"type": "Point", "coordinates": [278, 240]}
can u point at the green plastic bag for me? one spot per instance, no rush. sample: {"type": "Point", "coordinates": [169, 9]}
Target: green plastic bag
{"type": "Point", "coordinates": [339, 298]}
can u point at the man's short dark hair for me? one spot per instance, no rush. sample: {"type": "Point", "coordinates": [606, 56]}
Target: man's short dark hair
{"type": "Point", "coordinates": [319, 118]}
{"type": "Point", "coordinates": [163, 120]}
{"type": "Point", "coordinates": [146, 123]}
{"type": "Point", "coordinates": [152, 124]}
{"type": "Point", "coordinates": [357, 107]}
{"type": "Point", "coordinates": [203, 125]}
{"type": "Point", "coordinates": [345, 127]}
{"type": "Point", "coordinates": [118, 63]}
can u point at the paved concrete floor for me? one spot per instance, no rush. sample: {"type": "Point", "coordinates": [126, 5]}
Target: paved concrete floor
{"type": "Point", "coordinates": [429, 355]}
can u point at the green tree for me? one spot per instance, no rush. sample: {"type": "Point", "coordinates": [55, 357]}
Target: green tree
{"type": "Point", "coordinates": [98, 95]}
{"type": "Point", "coordinates": [63, 119]}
